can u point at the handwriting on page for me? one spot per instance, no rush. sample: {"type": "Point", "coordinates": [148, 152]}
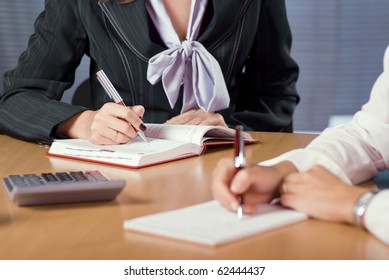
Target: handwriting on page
{"type": "Point", "coordinates": [135, 147]}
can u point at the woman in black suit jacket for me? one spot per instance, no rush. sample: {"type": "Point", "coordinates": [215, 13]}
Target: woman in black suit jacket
{"type": "Point", "coordinates": [250, 39]}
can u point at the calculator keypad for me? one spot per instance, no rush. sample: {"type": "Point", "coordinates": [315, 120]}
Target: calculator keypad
{"type": "Point", "coordinates": [30, 180]}
{"type": "Point", "coordinates": [29, 189]}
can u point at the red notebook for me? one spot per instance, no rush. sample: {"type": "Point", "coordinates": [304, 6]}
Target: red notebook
{"type": "Point", "coordinates": [165, 143]}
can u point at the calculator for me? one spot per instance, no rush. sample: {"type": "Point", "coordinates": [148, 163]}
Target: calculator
{"type": "Point", "coordinates": [61, 187]}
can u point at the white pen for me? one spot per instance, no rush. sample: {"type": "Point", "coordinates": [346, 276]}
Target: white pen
{"type": "Point", "coordinates": [114, 95]}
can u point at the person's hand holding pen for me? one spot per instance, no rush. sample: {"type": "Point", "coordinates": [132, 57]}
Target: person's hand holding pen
{"type": "Point", "coordinates": [112, 124]}
{"type": "Point", "coordinates": [254, 184]}
{"type": "Point", "coordinates": [114, 95]}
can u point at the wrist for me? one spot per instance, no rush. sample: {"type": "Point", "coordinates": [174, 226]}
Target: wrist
{"type": "Point", "coordinates": [77, 125]}
{"type": "Point", "coordinates": [285, 168]}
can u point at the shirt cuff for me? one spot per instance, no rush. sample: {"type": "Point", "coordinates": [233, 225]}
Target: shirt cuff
{"type": "Point", "coordinates": [304, 159]}
{"type": "Point", "coordinates": [376, 218]}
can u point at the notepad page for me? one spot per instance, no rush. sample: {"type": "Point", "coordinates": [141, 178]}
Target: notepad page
{"type": "Point", "coordinates": [211, 224]}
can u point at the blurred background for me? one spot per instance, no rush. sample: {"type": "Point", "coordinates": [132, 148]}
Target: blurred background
{"type": "Point", "coordinates": [339, 45]}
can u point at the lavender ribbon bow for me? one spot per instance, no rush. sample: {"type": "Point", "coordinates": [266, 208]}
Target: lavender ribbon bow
{"type": "Point", "coordinates": [193, 66]}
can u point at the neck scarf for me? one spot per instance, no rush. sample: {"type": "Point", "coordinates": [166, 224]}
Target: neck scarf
{"type": "Point", "coordinates": [186, 63]}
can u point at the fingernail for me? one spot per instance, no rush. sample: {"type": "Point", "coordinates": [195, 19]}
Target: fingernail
{"type": "Point", "coordinates": [235, 186]}
{"type": "Point", "coordinates": [142, 127]}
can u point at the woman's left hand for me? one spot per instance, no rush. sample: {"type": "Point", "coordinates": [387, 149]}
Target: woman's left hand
{"type": "Point", "coordinates": [198, 117]}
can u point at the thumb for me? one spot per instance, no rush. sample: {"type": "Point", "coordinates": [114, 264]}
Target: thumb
{"type": "Point", "coordinates": [241, 182]}
{"type": "Point", "coordinates": [139, 110]}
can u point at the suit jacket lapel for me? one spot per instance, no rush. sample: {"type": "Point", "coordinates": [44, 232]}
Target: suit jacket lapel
{"type": "Point", "coordinates": [227, 15]}
{"type": "Point", "coordinates": [131, 24]}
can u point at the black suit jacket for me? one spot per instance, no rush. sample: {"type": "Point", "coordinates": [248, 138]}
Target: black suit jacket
{"type": "Point", "coordinates": [250, 39]}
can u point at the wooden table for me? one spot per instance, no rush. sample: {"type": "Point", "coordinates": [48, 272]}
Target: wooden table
{"type": "Point", "coordinates": [95, 231]}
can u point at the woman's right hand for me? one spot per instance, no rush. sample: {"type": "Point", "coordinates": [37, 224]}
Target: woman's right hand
{"type": "Point", "coordinates": [111, 124]}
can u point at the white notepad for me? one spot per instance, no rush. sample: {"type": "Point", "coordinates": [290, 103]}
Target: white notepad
{"type": "Point", "coordinates": [211, 224]}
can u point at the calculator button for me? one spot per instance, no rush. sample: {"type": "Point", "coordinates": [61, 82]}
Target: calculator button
{"type": "Point", "coordinates": [96, 176]}
{"type": "Point", "coordinates": [17, 180]}
{"type": "Point", "coordinates": [64, 177]}
{"type": "Point", "coordinates": [50, 178]}
{"type": "Point", "coordinates": [33, 180]}
{"type": "Point", "coordinates": [8, 184]}
{"type": "Point", "coordinates": [79, 176]}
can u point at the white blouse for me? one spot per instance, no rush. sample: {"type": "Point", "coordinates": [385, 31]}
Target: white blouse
{"type": "Point", "coordinates": [186, 63]}
{"type": "Point", "coordinates": [356, 151]}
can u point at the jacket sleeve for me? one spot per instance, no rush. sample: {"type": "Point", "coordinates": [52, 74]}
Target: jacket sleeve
{"type": "Point", "coordinates": [30, 106]}
{"type": "Point", "coordinates": [269, 94]}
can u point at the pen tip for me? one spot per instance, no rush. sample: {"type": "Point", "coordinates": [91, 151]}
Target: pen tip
{"type": "Point", "coordinates": [142, 135]}
{"type": "Point", "coordinates": [240, 212]}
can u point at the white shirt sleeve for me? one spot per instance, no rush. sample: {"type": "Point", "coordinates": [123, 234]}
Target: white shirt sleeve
{"type": "Point", "coordinates": [377, 216]}
{"type": "Point", "coordinates": [356, 151]}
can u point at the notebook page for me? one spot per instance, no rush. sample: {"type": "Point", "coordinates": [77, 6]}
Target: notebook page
{"type": "Point", "coordinates": [211, 224]}
{"type": "Point", "coordinates": [196, 134]}
{"type": "Point", "coordinates": [182, 133]}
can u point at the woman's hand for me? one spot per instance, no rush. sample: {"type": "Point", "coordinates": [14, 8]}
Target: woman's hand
{"type": "Point", "coordinates": [258, 184]}
{"type": "Point", "coordinates": [111, 124]}
{"type": "Point", "coordinates": [198, 117]}
{"type": "Point", "coordinates": [320, 194]}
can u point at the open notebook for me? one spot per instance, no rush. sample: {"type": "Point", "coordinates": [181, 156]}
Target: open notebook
{"type": "Point", "coordinates": [211, 224]}
{"type": "Point", "coordinates": [165, 143]}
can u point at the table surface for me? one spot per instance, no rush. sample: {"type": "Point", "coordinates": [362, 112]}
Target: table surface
{"type": "Point", "coordinates": [94, 230]}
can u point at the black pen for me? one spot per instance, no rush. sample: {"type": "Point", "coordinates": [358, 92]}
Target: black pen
{"type": "Point", "coordinates": [114, 95]}
{"type": "Point", "coordinates": [239, 162]}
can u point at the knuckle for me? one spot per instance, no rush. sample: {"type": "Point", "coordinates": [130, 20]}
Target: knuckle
{"type": "Point", "coordinates": [126, 128]}
{"type": "Point", "coordinates": [122, 138]}
{"type": "Point", "coordinates": [196, 120]}
{"type": "Point", "coordinates": [138, 109]}
{"type": "Point", "coordinates": [107, 106]}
